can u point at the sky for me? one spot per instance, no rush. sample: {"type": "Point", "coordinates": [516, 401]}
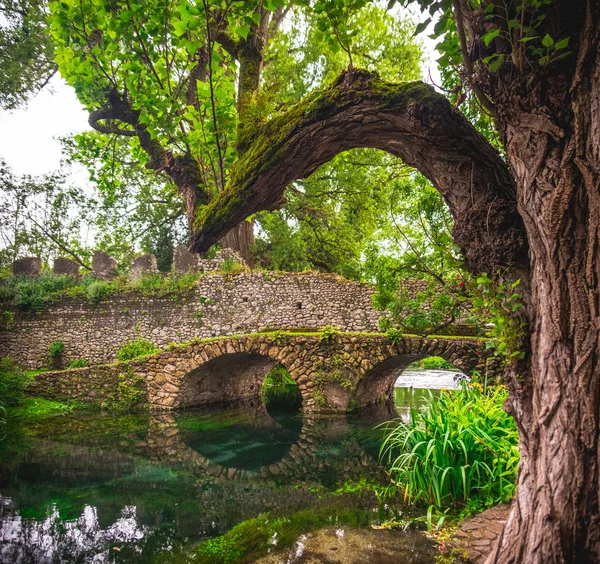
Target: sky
{"type": "Point", "coordinates": [29, 136]}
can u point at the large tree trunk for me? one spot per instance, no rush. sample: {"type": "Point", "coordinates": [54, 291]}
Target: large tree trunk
{"type": "Point", "coordinates": [240, 239]}
{"type": "Point", "coordinates": [552, 135]}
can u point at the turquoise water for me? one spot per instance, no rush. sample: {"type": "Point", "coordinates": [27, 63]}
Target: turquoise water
{"type": "Point", "coordinates": [150, 488]}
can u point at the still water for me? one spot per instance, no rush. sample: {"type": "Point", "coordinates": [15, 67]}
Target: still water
{"type": "Point", "coordinates": [150, 488]}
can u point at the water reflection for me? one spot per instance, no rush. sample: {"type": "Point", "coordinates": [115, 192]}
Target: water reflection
{"type": "Point", "coordinates": [127, 489]}
{"type": "Point", "coordinates": [133, 489]}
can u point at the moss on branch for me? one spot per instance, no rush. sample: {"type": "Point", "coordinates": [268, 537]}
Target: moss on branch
{"type": "Point", "coordinates": [264, 146]}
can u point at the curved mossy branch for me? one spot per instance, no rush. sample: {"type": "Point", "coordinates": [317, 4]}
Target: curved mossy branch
{"type": "Point", "coordinates": [410, 121]}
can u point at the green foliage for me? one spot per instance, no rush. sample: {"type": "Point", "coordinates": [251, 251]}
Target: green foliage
{"type": "Point", "coordinates": [41, 408]}
{"type": "Point", "coordinates": [135, 349]}
{"type": "Point", "coordinates": [8, 319]}
{"type": "Point", "coordinates": [231, 267]}
{"type": "Point", "coordinates": [13, 382]}
{"type": "Point", "coordinates": [159, 284]}
{"type": "Point", "coordinates": [129, 394]}
{"type": "Point", "coordinates": [394, 335]}
{"type": "Point", "coordinates": [434, 363]}
{"type": "Point", "coordinates": [78, 363]}
{"type": "Point", "coordinates": [280, 392]}
{"type": "Point", "coordinates": [98, 290]}
{"type": "Point", "coordinates": [26, 52]}
{"type": "Point", "coordinates": [461, 447]}
{"type": "Point", "coordinates": [498, 301]}
{"type": "Point", "coordinates": [327, 333]}
{"type": "Point", "coordinates": [36, 293]}
{"type": "Point", "coordinates": [56, 349]}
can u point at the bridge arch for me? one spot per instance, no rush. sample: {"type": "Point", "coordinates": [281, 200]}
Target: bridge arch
{"type": "Point", "coordinates": [230, 370]}
{"type": "Point", "coordinates": [377, 382]}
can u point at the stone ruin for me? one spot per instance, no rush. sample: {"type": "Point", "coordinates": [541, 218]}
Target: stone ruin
{"type": "Point", "coordinates": [144, 264]}
{"type": "Point", "coordinates": [66, 266]}
{"type": "Point", "coordinates": [104, 266]}
{"type": "Point", "coordinates": [27, 266]}
{"type": "Point", "coordinates": [184, 261]}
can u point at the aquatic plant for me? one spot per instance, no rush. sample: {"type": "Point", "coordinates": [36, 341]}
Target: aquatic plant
{"type": "Point", "coordinates": [461, 447]}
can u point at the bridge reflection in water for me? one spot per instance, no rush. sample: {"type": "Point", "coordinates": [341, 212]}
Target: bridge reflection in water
{"type": "Point", "coordinates": [75, 488]}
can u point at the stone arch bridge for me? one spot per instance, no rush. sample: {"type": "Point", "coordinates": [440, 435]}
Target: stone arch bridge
{"type": "Point", "coordinates": [334, 372]}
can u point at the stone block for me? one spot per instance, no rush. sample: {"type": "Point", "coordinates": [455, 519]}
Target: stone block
{"type": "Point", "coordinates": [144, 264]}
{"type": "Point", "coordinates": [104, 266]}
{"type": "Point", "coordinates": [66, 266]}
{"type": "Point", "coordinates": [27, 266]}
{"type": "Point", "coordinates": [183, 260]}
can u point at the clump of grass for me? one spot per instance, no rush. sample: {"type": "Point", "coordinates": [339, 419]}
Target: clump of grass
{"type": "Point", "coordinates": [40, 408]}
{"type": "Point", "coordinates": [134, 349]}
{"type": "Point", "coordinates": [461, 448]}
{"type": "Point", "coordinates": [78, 363]}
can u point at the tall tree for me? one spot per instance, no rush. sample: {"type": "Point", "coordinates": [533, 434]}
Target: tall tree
{"type": "Point", "coordinates": [179, 79]}
{"type": "Point", "coordinates": [26, 52]}
{"type": "Point", "coordinates": [534, 65]}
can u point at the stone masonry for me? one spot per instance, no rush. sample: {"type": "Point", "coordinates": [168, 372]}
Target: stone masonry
{"type": "Point", "coordinates": [218, 305]}
{"type": "Point", "coordinates": [333, 373]}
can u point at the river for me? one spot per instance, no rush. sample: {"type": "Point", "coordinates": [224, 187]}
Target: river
{"type": "Point", "coordinates": [149, 488]}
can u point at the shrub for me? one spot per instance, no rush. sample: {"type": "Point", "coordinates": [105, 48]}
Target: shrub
{"type": "Point", "coordinates": [34, 294]}
{"type": "Point", "coordinates": [462, 447]}
{"type": "Point", "coordinates": [97, 290]}
{"type": "Point", "coordinates": [435, 363]}
{"type": "Point", "coordinates": [78, 363]}
{"type": "Point", "coordinates": [137, 348]}
{"type": "Point", "coordinates": [280, 391]}
{"type": "Point", "coordinates": [13, 382]}
{"type": "Point", "coordinates": [230, 266]}
{"type": "Point", "coordinates": [56, 350]}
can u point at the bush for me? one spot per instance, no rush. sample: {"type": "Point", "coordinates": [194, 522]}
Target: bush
{"type": "Point", "coordinates": [280, 391]}
{"type": "Point", "coordinates": [13, 382]}
{"type": "Point", "coordinates": [435, 363]}
{"type": "Point", "coordinates": [34, 294]}
{"type": "Point", "coordinates": [98, 290]}
{"type": "Point", "coordinates": [230, 266]}
{"type": "Point", "coordinates": [137, 348]}
{"type": "Point", "coordinates": [56, 349]}
{"type": "Point", "coordinates": [78, 363]}
{"type": "Point", "coordinates": [462, 447]}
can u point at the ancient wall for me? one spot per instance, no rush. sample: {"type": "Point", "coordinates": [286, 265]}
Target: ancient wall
{"type": "Point", "coordinates": [218, 305]}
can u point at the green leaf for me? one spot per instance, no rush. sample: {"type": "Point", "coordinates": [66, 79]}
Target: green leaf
{"type": "Point", "coordinates": [422, 26]}
{"type": "Point", "coordinates": [562, 43]}
{"type": "Point", "coordinates": [547, 41]}
{"type": "Point", "coordinates": [243, 31]}
{"type": "Point", "coordinates": [490, 36]}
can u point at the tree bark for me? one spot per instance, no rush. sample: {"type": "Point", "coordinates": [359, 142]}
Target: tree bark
{"type": "Point", "coordinates": [410, 121]}
{"type": "Point", "coordinates": [240, 239]}
{"type": "Point", "coordinates": [551, 128]}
